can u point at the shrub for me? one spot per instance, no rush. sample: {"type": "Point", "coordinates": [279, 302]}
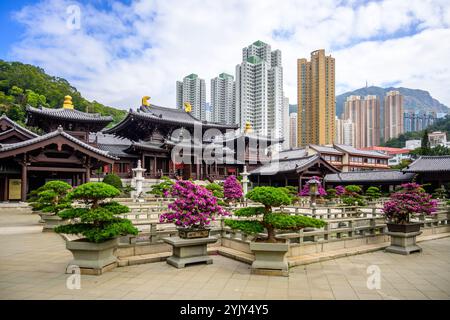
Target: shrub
{"type": "Point", "coordinates": [232, 188]}
{"type": "Point", "coordinates": [351, 189]}
{"type": "Point", "coordinates": [411, 199]}
{"type": "Point", "coordinates": [113, 180]}
{"type": "Point", "coordinates": [331, 194]}
{"type": "Point", "coordinates": [291, 191]}
{"type": "Point", "coordinates": [340, 190]}
{"type": "Point", "coordinates": [270, 197]}
{"type": "Point", "coordinates": [194, 206]}
{"type": "Point", "coordinates": [98, 220]}
{"type": "Point", "coordinates": [439, 193]}
{"type": "Point", "coordinates": [163, 188]}
{"type": "Point", "coordinates": [373, 193]}
{"type": "Point", "coordinates": [51, 197]}
{"type": "Point", "coordinates": [217, 191]}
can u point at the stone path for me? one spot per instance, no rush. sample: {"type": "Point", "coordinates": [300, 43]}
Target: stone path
{"type": "Point", "coordinates": [32, 266]}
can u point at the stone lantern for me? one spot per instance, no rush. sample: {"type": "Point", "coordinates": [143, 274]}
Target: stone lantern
{"type": "Point", "coordinates": [136, 182]}
{"type": "Point", "coordinates": [313, 190]}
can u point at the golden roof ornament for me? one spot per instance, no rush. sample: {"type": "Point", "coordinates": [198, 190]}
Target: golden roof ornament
{"type": "Point", "coordinates": [248, 127]}
{"type": "Point", "coordinates": [187, 107]}
{"type": "Point", "coordinates": [145, 101]}
{"type": "Point", "coordinates": [68, 103]}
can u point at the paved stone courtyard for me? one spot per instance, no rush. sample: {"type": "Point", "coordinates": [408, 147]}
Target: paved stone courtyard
{"type": "Point", "coordinates": [32, 266]}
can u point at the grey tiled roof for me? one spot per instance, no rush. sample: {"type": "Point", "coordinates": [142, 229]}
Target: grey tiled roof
{"type": "Point", "coordinates": [429, 164]}
{"type": "Point", "coordinates": [116, 150]}
{"type": "Point", "coordinates": [369, 176]}
{"type": "Point", "coordinates": [352, 150]}
{"type": "Point", "coordinates": [18, 127]}
{"type": "Point", "coordinates": [70, 114]}
{"type": "Point", "coordinates": [325, 149]}
{"type": "Point", "coordinates": [103, 138]}
{"type": "Point", "coordinates": [291, 154]}
{"type": "Point", "coordinates": [14, 146]}
{"type": "Point", "coordinates": [274, 167]}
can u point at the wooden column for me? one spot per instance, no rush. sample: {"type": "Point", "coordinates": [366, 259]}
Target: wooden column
{"type": "Point", "coordinates": [24, 183]}
{"type": "Point", "coordinates": [88, 169]}
{"type": "Point", "coordinates": [154, 166]}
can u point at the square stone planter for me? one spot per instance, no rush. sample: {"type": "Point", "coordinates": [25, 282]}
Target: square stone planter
{"type": "Point", "coordinates": [403, 238]}
{"type": "Point", "coordinates": [93, 258]}
{"type": "Point", "coordinates": [270, 258]}
{"type": "Point", "coordinates": [187, 251]}
{"type": "Point", "coordinates": [51, 221]}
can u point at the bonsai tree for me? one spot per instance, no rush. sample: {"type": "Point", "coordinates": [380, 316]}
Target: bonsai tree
{"type": "Point", "coordinates": [163, 188]}
{"type": "Point", "coordinates": [217, 191]}
{"type": "Point", "coordinates": [373, 193]}
{"type": "Point", "coordinates": [262, 217]}
{"type": "Point", "coordinates": [331, 194]}
{"type": "Point", "coordinates": [232, 188]}
{"type": "Point", "coordinates": [352, 196]}
{"type": "Point", "coordinates": [113, 180]}
{"type": "Point", "coordinates": [409, 200]}
{"type": "Point", "coordinates": [194, 206]}
{"type": "Point", "coordinates": [51, 197]}
{"type": "Point", "coordinates": [291, 191]}
{"type": "Point", "coordinates": [440, 193]}
{"type": "Point", "coordinates": [98, 220]}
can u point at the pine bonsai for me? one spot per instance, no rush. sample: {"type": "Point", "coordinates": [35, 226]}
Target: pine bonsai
{"type": "Point", "coordinates": [113, 180]}
{"type": "Point", "coordinates": [352, 196]}
{"type": "Point", "coordinates": [163, 188]}
{"type": "Point", "coordinates": [97, 221]}
{"type": "Point", "coordinates": [262, 217]}
{"type": "Point", "coordinates": [373, 193]}
{"type": "Point", "coordinates": [51, 197]}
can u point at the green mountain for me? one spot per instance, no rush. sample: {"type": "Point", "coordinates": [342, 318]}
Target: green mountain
{"type": "Point", "coordinates": [414, 99]}
{"type": "Point", "coordinates": [22, 84]}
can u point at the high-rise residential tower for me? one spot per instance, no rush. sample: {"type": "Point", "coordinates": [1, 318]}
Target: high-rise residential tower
{"type": "Point", "coordinates": [345, 132]}
{"type": "Point", "coordinates": [316, 99]}
{"type": "Point", "coordinates": [365, 114]}
{"type": "Point", "coordinates": [259, 90]}
{"type": "Point", "coordinates": [286, 124]}
{"type": "Point", "coordinates": [193, 90]}
{"type": "Point", "coordinates": [393, 115]}
{"type": "Point", "coordinates": [293, 130]}
{"type": "Point", "coordinates": [223, 97]}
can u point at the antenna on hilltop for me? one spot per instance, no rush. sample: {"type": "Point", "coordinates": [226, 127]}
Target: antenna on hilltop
{"type": "Point", "coordinates": [366, 84]}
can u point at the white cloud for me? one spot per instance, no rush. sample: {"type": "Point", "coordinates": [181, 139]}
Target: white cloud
{"type": "Point", "coordinates": [126, 51]}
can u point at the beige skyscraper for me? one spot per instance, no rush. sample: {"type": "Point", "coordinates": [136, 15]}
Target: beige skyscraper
{"type": "Point", "coordinates": [393, 115]}
{"type": "Point", "coordinates": [316, 99]}
{"type": "Point", "coordinates": [345, 132]}
{"type": "Point", "coordinates": [365, 114]}
{"type": "Point", "coordinates": [293, 124]}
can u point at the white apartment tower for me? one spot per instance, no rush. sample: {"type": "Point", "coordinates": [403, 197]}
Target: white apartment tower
{"type": "Point", "coordinates": [345, 132]}
{"type": "Point", "coordinates": [286, 124]}
{"type": "Point", "coordinates": [259, 90]}
{"type": "Point", "coordinates": [223, 96]}
{"type": "Point", "coordinates": [193, 90]}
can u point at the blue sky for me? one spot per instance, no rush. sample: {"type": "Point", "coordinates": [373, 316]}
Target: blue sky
{"type": "Point", "coordinates": [122, 50]}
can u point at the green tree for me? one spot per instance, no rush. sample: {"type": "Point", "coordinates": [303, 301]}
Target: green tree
{"type": "Point", "coordinates": [98, 220]}
{"type": "Point", "coordinates": [113, 180]}
{"type": "Point", "coordinates": [51, 197]}
{"type": "Point", "coordinates": [269, 197]}
{"type": "Point", "coordinates": [373, 193]}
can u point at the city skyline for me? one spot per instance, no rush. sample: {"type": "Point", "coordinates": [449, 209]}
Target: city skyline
{"type": "Point", "coordinates": [143, 53]}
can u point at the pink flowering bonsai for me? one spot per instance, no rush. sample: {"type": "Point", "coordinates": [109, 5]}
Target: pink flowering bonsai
{"type": "Point", "coordinates": [232, 189]}
{"type": "Point", "coordinates": [410, 200]}
{"type": "Point", "coordinates": [305, 191]}
{"type": "Point", "coordinates": [195, 206]}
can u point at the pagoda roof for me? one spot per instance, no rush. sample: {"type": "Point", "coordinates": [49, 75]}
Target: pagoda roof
{"type": "Point", "coordinates": [68, 114]}
{"type": "Point", "coordinates": [169, 116]}
{"type": "Point", "coordinates": [429, 164]}
{"type": "Point", "coordinates": [5, 149]}
{"type": "Point", "coordinates": [6, 122]}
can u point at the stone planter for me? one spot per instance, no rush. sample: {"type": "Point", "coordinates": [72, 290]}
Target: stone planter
{"type": "Point", "coordinates": [51, 221]}
{"type": "Point", "coordinates": [193, 233]}
{"type": "Point", "coordinates": [270, 258]}
{"type": "Point", "coordinates": [187, 251]}
{"type": "Point", "coordinates": [403, 238]}
{"type": "Point", "coordinates": [93, 258]}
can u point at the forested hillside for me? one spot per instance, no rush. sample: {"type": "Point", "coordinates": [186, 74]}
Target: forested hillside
{"type": "Point", "coordinates": [22, 84]}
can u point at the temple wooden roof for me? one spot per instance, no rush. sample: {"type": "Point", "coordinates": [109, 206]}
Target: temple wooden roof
{"type": "Point", "coordinates": [9, 127]}
{"type": "Point", "coordinates": [138, 123]}
{"type": "Point", "coordinates": [68, 114]}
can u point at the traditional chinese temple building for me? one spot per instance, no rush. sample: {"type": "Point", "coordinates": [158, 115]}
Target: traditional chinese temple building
{"type": "Point", "coordinates": [76, 147]}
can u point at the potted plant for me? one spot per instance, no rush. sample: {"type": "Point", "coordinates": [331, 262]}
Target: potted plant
{"type": "Point", "coordinates": [373, 193]}
{"type": "Point", "coordinates": [193, 210]}
{"type": "Point", "coordinates": [352, 196]}
{"type": "Point", "coordinates": [98, 223]}
{"type": "Point", "coordinates": [270, 252]}
{"type": "Point", "coordinates": [232, 189]}
{"type": "Point", "coordinates": [411, 199]}
{"type": "Point", "coordinates": [49, 200]}
{"type": "Point", "coordinates": [331, 196]}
